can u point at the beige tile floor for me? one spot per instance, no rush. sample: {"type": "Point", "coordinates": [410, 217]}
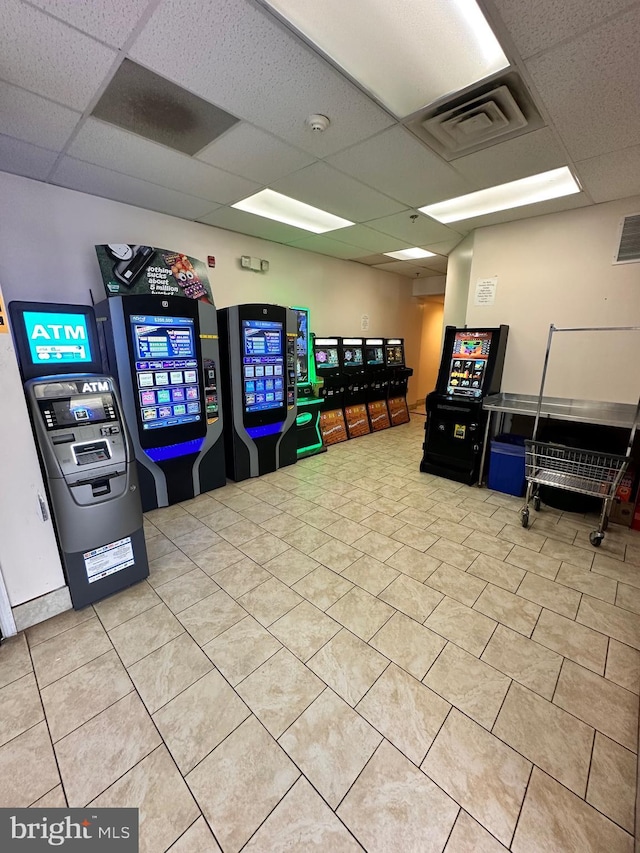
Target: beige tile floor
{"type": "Point", "coordinates": [345, 654]}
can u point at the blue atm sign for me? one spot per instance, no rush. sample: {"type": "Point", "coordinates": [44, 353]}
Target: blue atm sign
{"type": "Point", "coordinates": [57, 338]}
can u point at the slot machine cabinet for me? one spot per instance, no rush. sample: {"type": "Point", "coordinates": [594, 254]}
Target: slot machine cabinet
{"type": "Point", "coordinates": [258, 347]}
{"type": "Point", "coordinates": [85, 449]}
{"type": "Point", "coordinates": [470, 369]}
{"type": "Point", "coordinates": [378, 383]}
{"type": "Point", "coordinates": [308, 433]}
{"type": "Point", "coordinates": [355, 386]}
{"type": "Point", "coordinates": [164, 352]}
{"type": "Point", "coordinates": [326, 355]}
{"type": "Point", "coordinates": [398, 374]}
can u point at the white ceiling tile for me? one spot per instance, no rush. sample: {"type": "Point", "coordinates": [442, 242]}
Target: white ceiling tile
{"type": "Point", "coordinates": [46, 56]}
{"type": "Point", "coordinates": [395, 163]}
{"type": "Point", "coordinates": [251, 152]}
{"type": "Point", "coordinates": [95, 180]}
{"type": "Point", "coordinates": [538, 26]}
{"type": "Point", "coordinates": [330, 190]}
{"type": "Point", "coordinates": [255, 226]}
{"type": "Point", "coordinates": [401, 268]}
{"type": "Point", "coordinates": [414, 232]}
{"type": "Point", "coordinates": [372, 260]}
{"type": "Point", "coordinates": [109, 146]}
{"type": "Point", "coordinates": [554, 205]}
{"type": "Point", "coordinates": [611, 176]}
{"type": "Point", "coordinates": [525, 155]}
{"type": "Point", "coordinates": [326, 246]}
{"type": "Point", "coordinates": [246, 62]}
{"type": "Point", "coordinates": [438, 265]}
{"type": "Point", "coordinates": [34, 119]}
{"type": "Point", "coordinates": [368, 238]}
{"type": "Point", "coordinates": [590, 87]}
{"type": "Point", "coordinates": [112, 22]}
{"type": "Point", "coordinates": [21, 158]}
{"type": "Point", "coordinates": [443, 247]}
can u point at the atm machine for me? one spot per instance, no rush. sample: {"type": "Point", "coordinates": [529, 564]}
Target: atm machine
{"type": "Point", "coordinates": [85, 450]}
{"type": "Point", "coordinates": [356, 387]}
{"type": "Point", "coordinates": [377, 375]}
{"type": "Point", "coordinates": [326, 355]}
{"type": "Point", "coordinates": [470, 369]}
{"type": "Point", "coordinates": [308, 434]}
{"type": "Point", "coordinates": [258, 349]}
{"type": "Point", "coordinates": [164, 353]}
{"type": "Point", "coordinates": [398, 374]}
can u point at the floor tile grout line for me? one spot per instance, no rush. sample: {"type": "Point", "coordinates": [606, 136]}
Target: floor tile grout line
{"type": "Point", "coordinates": [25, 631]}
{"type": "Point", "coordinates": [520, 810]}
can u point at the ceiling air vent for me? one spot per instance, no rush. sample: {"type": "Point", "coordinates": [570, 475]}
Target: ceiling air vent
{"type": "Point", "coordinates": [493, 112]}
{"type": "Point", "coordinates": [628, 243]}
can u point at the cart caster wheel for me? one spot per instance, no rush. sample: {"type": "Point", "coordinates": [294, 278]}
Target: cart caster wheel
{"type": "Point", "coordinates": [596, 538]}
{"type": "Point", "coordinates": [525, 517]}
{"type": "Point", "coordinates": [536, 503]}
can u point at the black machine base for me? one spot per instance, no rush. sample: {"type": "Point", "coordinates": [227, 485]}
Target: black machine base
{"type": "Point", "coordinates": [446, 470]}
{"type": "Point", "coordinates": [453, 438]}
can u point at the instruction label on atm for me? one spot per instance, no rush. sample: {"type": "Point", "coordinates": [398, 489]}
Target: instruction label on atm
{"type": "Point", "coordinates": [108, 560]}
{"type": "Point", "coordinates": [460, 430]}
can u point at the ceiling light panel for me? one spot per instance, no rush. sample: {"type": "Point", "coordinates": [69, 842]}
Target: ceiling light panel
{"type": "Point", "coordinates": [273, 205]}
{"type": "Point", "coordinates": [531, 190]}
{"type": "Point", "coordinates": [410, 254]}
{"type": "Point", "coordinates": [407, 55]}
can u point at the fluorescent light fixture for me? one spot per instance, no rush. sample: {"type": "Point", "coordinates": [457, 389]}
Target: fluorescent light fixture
{"type": "Point", "coordinates": [531, 190]}
{"type": "Point", "coordinates": [406, 54]}
{"type": "Point", "coordinates": [273, 205]}
{"type": "Point", "coordinates": [410, 254]}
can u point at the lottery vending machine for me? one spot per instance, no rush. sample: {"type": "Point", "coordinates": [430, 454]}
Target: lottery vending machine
{"type": "Point", "coordinates": [258, 348]}
{"type": "Point", "coordinates": [164, 352]}
{"type": "Point", "coordinates": [470, 369]}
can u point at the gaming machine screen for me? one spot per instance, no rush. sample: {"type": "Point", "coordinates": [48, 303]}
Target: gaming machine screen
{"type": "Point", "coordinates": [166, 369]}
{"type": "Point", "coordinates": [263, 365]}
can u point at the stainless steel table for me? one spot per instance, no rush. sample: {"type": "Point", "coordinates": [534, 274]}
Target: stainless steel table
{"type": "Point", "coordinates": [584, 411]}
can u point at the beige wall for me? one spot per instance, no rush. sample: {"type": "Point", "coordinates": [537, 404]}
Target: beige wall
{"type": "Point", "coordinates": [457, 286]}
{"type": "Point", "coordinates": [557, 269]}
{"type": "Point", "coordinates": [46, 253]}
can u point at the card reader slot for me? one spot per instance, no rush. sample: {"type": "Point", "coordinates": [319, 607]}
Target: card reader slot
{"type": "Point", "coordinates": [65, 438]}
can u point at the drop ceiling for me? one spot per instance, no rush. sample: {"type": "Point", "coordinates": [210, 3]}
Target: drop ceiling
{"type": "Point", "coordinates": [577, 60]}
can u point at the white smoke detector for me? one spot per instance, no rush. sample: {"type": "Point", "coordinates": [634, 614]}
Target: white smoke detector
{"type": "Point", "coordinates": [318, 123]}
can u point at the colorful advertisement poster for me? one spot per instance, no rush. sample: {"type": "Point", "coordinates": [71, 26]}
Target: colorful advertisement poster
{"type": "Point", "coordinates": [129, 269]}
{"type": "Point", "coordinates": [332, 427]}
{"type": "Point", "coordinates": [398, 411]}
{"type": "Point", "coordinates": [357, 420]}
{"type": "Point", "coordinates": [378, 415]}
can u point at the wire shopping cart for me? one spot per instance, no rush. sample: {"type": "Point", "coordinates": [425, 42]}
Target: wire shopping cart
{"type": "Point", "coordinates": [584, 472]}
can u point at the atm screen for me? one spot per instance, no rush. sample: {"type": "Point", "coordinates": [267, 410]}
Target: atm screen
{"type": "Point", "coordinates": [77, 411]}
{"type": "Point", "coordinates": [57, 338]}
{"type": "Point", "coordinates": [395, 355]}
{"type": "Point", "coordinates": [166, 369]}
{"type": "Point", "coordinates": [302, 347]}
{"type": "Point", "coordinates": [263, 365]}
{"type": "Point", "coordinates": [326, 357]}
{"type": "Point", "coordinates": [352, 356]}
{"type": "Point", "coordinates": [469, 363]}
{"type": "Point", "coordinates": [374, 355]}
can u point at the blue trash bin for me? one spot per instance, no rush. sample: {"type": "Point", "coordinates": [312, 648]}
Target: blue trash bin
{"type": "Point", "coordinates": [506, 465]}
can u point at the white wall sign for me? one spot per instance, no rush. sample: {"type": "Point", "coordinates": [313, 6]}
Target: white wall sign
{"type": "Point", "coordinates": [364, 323]}
{"type": "Point", "coordinates": [486, 291]}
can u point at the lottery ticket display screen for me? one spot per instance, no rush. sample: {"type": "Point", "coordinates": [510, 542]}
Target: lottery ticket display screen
{"type": "Point", "coordinates": [166, 369]}
{"type": "Point", "coordinates": [395, 355]}
{"type": "Point", "coordinates": [375, 355]}
{"type": "Point", "coordinates": [326, 357]}
{"type": "Point", "coordinates": [352, 356]}
{"type": "Point", "coordinates": [263, 365]}
{"type": "Point", "coordinates": [302, 347]}
{"type": "Point", "coordinates": [469, 363]}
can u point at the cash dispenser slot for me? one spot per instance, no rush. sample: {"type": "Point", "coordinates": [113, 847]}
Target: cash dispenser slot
{"type": "Point", "coordinates": [91, 452]}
